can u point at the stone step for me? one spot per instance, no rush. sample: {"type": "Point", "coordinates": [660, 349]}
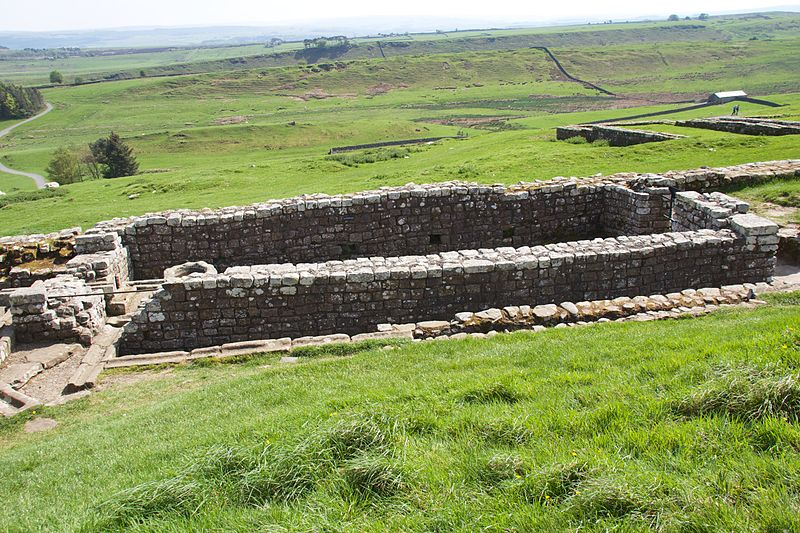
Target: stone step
{"type": "Point", "coordinates": [16, 375]}
{"type": "Point", "coordinates": [13, 402]}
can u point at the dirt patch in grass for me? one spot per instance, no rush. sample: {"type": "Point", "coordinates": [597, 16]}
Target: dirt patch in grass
{"type": "Point", "coordinates": [318, 94]}
{"type": "Point", "coordinates": [383, 88]}
{"type": "Point", "coordinates": [474, 122]}
{"type": "Point", "coordinates": [224, 121]}
{"type": "Point", "coordinates": [779, 213]}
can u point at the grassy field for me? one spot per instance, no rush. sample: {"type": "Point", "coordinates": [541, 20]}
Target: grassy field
{"type": "Point", "coordinates": [34, 68]}
{"type": "Point", "coordinates": [225, 138]}
{"type": "Point", "coordinates": [687, 425]}
{"type": "Point", "coordinates": [684, 425]}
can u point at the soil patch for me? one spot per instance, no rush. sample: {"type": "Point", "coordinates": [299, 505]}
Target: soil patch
{"type": "Point", "coordinates": [40, 424]}
{"type": "Point", "coordinates": [784, 215]}
{"type": "Point", "coordinates": [473, 122]}
{"type": "Point", "coordinates": [224, 121]}
{"type": "Point", "coordinates": [383, 88]}
{"type": "Point", "coordinates": [317, 94]}
{"type": "Point", "coordinates": [49, 384]}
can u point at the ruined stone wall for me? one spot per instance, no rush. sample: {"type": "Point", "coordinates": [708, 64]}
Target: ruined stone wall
{"type": "Point", "coordinates": [392, 222]}
{"type": "Point", "coordinates": [693, 210]}
{"type": "Point", "coordinates": [61, 308]}
{"type": "Point", "coordinates": [615, 136]}
{"type": "Point", "coordinates": [418, 219]}
{"type": "Point", "coordinates": [710, 179]}
{"type": "Point", "coordinates": [101, 258]}
{"type": "Point", "coordinates": [743, 125]}
{"type": "Point", "coordinates": [354, 296]}
{"type": "Point", "coordinates": [19, 250]}
{"type": "Point", "coordinates": [631, 212]}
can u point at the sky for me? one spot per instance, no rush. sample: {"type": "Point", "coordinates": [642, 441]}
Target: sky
{"type": "Point", "coordinates": [51, 15]}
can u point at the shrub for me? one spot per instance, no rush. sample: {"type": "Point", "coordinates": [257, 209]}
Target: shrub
{"type": "Point", "coordinates": [576, 140]}
{"type": "Point", "coordinates": [65, 166]}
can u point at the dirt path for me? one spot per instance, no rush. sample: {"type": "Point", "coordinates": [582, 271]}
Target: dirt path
{"type": "Point", "coordinates": [39, 180]}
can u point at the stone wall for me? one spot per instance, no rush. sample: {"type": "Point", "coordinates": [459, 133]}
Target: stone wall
{"type": "Point", "coordinates": [19, 250]}
{"type": "Point", "coordinates": [102, 258]}
{"type": "Point", "coordinates": [321, 227]}
{"type": "Point", "coordinates": [273, 301]}
{"type": "Point", "coordinates": [62, 308]}
{"type": "Point", "coordinates": [630, 212]}
{"type": "Point", "coordinates": [310, 244]}
{"type": "Point", "coordinates": [744, 125]}
{"type": "Point", "coordinates": [693, 210]}
{"type": "Point", "coordinates": [710, 179]}
{"type": "Point", "coordinates": [615, 136]}
{"type": "Point", "coordinates": [418, 219]}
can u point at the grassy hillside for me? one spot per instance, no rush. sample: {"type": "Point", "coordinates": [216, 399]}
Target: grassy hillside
{"type": "Point", "coordinates": [671, 426]}
{"type": "Point", "coordinates": [189, 162]}
{"type": "Point", "coordinates": [240, 136]}
{"type": "Point", "coordinates": [33, 68]}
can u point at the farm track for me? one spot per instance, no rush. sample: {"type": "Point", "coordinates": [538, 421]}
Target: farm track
{"type": "Point", "coordinates": [39, 180]}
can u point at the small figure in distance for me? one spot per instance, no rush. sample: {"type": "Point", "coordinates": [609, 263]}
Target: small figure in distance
{"type": "Point", "coordinates": [735, 110]}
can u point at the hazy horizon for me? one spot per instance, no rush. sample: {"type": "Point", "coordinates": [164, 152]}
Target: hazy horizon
{"type": "Point", "coordinates": [94, 15]}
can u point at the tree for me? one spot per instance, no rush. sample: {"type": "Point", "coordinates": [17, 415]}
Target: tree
{"type": "Point", "coordinates": [115, 155]}
{"type": "Point", "coordinates": [56, 77]}
{"type": "Point", "coordinates": [64, 167]}
{"type": "Point", "coordinates": [673, 18]}
{"type": "Point", "coordinates": [90, 165]}
{"type": "Point", "coordinates": [703, 16]}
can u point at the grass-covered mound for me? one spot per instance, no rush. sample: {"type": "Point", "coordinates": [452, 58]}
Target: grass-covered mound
{"type": "Point", "coordinates": [677, 425]}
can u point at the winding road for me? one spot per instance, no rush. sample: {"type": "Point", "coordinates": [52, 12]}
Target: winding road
{"type": "Point", "coordinates": [39, 180]}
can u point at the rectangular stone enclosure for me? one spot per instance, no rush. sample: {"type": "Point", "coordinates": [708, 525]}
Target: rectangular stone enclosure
{"type": "Point", "coordinates": [323, 265]}
{"type": "Point", "coordinates": [318, 265]}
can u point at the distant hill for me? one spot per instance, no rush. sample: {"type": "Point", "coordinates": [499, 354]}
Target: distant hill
{"type": "Point", "coordinates": [233, 35]}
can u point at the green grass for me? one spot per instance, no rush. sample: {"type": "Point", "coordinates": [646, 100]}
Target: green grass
{"type": "Point", "coordinates": [239, 136]}
{"type": "Point", "coordinates": [680, 425]}
{"type": "Point", "coordinates": [34, 67]}
{"type": "Point", "coordinates": [188, 161]}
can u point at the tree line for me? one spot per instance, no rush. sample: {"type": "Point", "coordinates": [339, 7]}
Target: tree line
{"type": "Point", "coordinates": [19, 102]}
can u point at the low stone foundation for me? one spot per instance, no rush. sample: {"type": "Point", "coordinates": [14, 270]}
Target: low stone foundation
{"type": "Point", "coordinates": [17, 251]}
{"type": "Point", "coordinates": [616, 136]}
{"type": "Point", "coordinates": [744, 125]}
{"type": "Point", "coordinates": [317, 265]}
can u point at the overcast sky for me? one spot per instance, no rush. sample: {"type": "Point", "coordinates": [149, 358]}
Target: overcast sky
{"type": "Point", "coordinates": [88, 14]}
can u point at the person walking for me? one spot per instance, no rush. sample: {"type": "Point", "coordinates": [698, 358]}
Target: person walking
{"type": "Point", "coordinates": [735, 110]}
